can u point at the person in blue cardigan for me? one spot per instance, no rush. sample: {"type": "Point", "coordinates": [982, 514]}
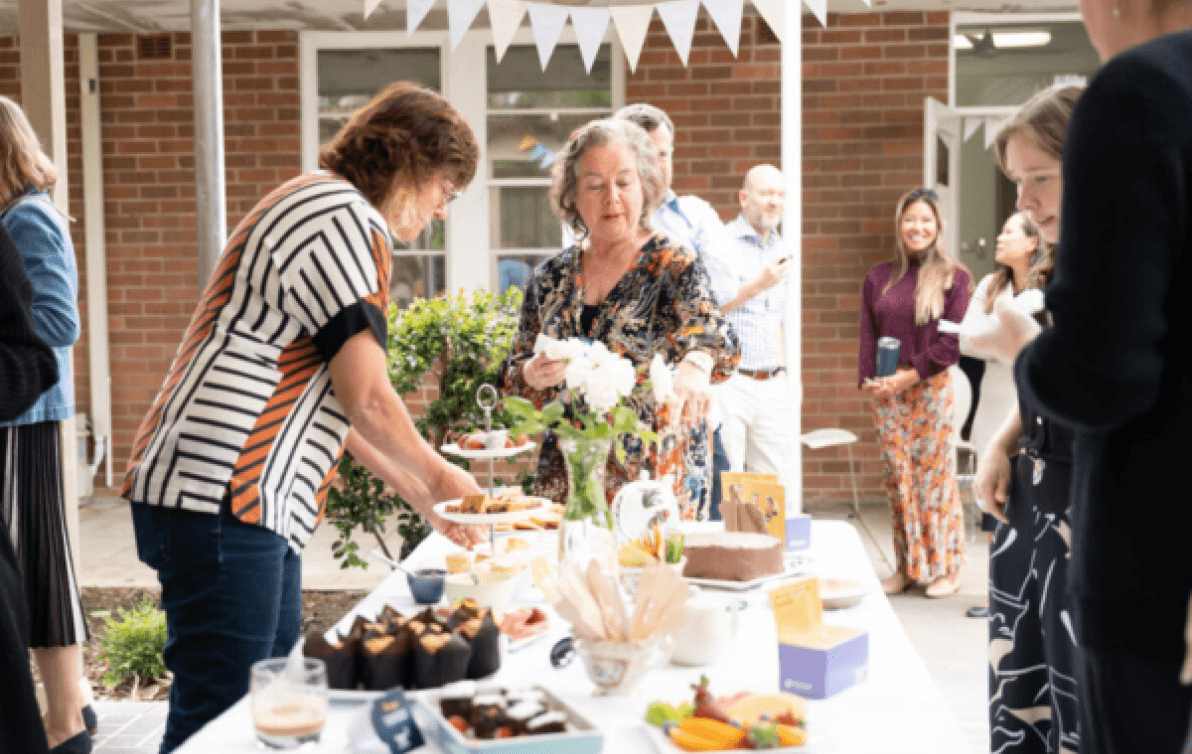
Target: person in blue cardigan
{"type": "Point", "coordinates": [32, 505]}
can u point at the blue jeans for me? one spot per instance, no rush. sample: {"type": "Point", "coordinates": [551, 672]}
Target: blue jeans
{"type": "Point", "coordinates": [719, 463]}
{"type": "Point", "coordinates": [232, 594]}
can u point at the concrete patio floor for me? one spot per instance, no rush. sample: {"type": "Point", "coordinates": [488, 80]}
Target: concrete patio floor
{"type": "Point", "coordinates": [952, 645]}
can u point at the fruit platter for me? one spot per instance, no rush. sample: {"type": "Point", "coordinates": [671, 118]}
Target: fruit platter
{"type": "Point", "coordinates": [772, 722]}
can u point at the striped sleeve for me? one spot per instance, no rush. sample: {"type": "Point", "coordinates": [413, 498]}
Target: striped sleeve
{"type": "Point", "coordinates": [333, 263]}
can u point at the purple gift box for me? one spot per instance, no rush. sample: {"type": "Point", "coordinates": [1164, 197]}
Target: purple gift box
{"type": "Point", "coordinates": [817, 667]}
{"type": "Point", "coordinates": [798, 533]}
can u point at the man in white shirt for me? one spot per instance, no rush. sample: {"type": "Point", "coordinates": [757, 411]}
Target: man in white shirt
{"type": "Point", "coordinates": [750, 285]}
{"type": "Point", "coordinates": [688, 221]}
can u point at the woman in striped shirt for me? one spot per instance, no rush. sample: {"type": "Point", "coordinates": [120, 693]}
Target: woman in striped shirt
{"type": "Point", "coordinates": [283, 366]}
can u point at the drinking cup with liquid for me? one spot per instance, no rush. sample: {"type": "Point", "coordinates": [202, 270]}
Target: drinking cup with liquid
{"type": "Point", "coordinates": [289, 706]}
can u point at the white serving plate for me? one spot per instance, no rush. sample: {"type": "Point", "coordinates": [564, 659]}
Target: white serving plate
{"type": "Point", "coordinates": [486, 453]}
{"type": "Point", "coordinates": [838, 594]}
{"type": "Point", "coordinates": [794, 567]}
{"type": "Point", "coordinates": [490, 518]}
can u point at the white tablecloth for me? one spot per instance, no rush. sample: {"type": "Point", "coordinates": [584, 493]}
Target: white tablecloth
{"type": "Point", "coordinates": [897, 709]}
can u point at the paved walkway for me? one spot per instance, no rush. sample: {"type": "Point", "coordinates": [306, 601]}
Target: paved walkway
{"type": "Point", "coordinates": [952, 645]}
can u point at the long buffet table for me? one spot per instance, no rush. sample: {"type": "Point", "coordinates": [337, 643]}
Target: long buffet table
{"type": "Point", "coordinates": [897, 709]}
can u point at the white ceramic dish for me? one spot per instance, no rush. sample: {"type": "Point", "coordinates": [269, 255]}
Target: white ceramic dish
{"type": "Point", "coordinates": [838, 594]}
{"type": "Point", "coordinates": [496, 595]}
{"type": "Point", "coordinates": [490, 518]}
{"type": "Point", "coordinates": [486, 453]}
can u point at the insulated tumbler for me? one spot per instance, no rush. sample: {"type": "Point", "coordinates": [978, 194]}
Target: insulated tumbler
{"type": "Point", "coordinates": [887, 356]}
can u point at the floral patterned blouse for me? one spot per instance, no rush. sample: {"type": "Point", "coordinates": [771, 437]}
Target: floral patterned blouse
{"type": "Point", "coordinates": [663, 305]}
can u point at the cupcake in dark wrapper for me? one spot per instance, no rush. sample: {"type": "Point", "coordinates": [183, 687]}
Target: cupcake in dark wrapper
{"type": "Point", "coordinates": [339, 659]}
{"type": "Point", "coordinates": [386, 661]}
{"type": "Point", "coordinates": [440, 659]}
{"type": "Point", "coordinates": [466, 610]}
{"type": "Point", "coordinates": [484, 637]}
{"type": "Point", "coordinates": [389, 615]}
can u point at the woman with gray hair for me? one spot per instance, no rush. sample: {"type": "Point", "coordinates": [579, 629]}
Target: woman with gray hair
{"type": "Point", "coordinates": [624, 285]}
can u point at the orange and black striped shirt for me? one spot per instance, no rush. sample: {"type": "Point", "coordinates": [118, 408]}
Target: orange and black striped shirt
{"type": "Point", "coordinates": [247, 411]}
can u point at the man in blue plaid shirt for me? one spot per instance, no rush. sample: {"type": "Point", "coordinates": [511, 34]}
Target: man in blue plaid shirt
{"type": "Point", "coordinates": [750, 285]}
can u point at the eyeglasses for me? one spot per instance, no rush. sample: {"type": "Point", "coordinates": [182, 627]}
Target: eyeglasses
{"type": "Point", "coordinates": [450, 192]}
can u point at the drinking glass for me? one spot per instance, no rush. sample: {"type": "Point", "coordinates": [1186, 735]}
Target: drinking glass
{"type": "Point", "coordinates": [288, 709]}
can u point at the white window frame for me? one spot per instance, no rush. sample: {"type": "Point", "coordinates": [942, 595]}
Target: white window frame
{"type": "Point", "coordinates": [470, 263]}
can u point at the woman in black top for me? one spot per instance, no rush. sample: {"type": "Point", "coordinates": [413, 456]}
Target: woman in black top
{"type": "Point", "coordinates": [1112, 368]}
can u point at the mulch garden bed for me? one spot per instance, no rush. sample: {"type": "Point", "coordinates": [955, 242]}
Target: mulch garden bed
{"type": "Point", "coordinates": [320, 611]}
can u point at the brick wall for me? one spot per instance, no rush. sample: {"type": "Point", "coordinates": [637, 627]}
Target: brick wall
{"type": "Point", "coordinates": [864, 80]}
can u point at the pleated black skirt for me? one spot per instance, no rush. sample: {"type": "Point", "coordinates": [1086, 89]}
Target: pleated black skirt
{"type": "Point", "coordinates": [33, 513]}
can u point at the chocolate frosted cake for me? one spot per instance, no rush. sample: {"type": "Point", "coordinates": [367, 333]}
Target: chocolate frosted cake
{"type": "Point", "coordinates": [732, 556]}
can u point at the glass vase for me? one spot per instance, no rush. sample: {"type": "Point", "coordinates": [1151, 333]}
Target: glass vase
{"type": "Point", "coordinates": [587, 525]}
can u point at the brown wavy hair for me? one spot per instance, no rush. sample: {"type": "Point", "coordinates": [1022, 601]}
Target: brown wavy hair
{"type": "Point", "coordinates": [403, 136]}
{"type": "Point", "coordinates": [23, 165]}
{"type": "Point", "coordinates": [1005, 276]}
{"type": "Point", "coordinates": [938, 270]}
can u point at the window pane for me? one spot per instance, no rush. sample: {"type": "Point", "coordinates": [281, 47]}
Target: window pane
{"type": "Point", "coordinates": [514, 139]}
{"type": "Point", "coordinates": [349, 78]}
{"type": "Point", "coordinates": [519, 81]}
{"type": "Point", "coordinates": [1004, 64]}
{"type": "Point", "coordinates": [416, 276]}
{"type": "Point", "coordinates": [515, 271]}
{"type": "Point", "coordinates": [521, 218]}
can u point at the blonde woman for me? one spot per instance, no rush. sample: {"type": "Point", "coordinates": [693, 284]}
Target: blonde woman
{"type": "Point", "coordinates": [32, 506]}
{"type": "Point", "coordinates": [908, 299]}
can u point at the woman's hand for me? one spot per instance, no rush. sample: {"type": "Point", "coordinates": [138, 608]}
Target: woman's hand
{"type": "Point", "coordinates": [453, 483]}
{"type": "Point", "coordinates": [992, 482]}
{"type": "Point", "coordinates": [693, 388]}
{"type": "Point", "coordinates": [888, 387]}
{"type": "Point", "coordinates": [543, 373]}
{"type": "Point", "coordinates": [464, 535]}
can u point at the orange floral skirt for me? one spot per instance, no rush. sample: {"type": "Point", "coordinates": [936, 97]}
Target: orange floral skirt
{"type": "Point", "coordinates": [915, 432]}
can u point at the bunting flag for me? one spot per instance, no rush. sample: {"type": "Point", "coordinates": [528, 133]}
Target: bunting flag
{"type": "Point", "coordinates": [632, 23]}
{"type": "Point", "coordinates": [971, 125]}
{"type": "Point", "coordinates": [542, 154]}
{"type": "Point", "coordinates": [726, 14]}
{"type": "Point", "coordinates": [370, 6]}
{"type": "Point", "coordinates": [991, 127]}
{"type": "Point", "coordinates": [678, 16]}
{"type": "Point", "coordinates": [547, 22]}
{"type": "Point", "coordinates": [505, 16]}
{"type": "Point", "coordinates": [460, 15]}
{"type": "Point", "coordinates": [590, 25]}
{"type": "Point", "coordinates": [819, 9]}
{"type": "Point", "coordinates": [774, 13]}
{"type": "Point", "coordinates": [416, 11]}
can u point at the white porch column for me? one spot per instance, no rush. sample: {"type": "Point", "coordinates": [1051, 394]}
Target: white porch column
{"type": "Point", "coordinates": [211, 222]}
{"type": "Point", "coordinates": [792, 230]}
{"type": "Point", "coordinates": [43, 98]}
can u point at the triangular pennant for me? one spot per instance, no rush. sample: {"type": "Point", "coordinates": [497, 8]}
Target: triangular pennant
{"type": "Point", "coordinates": [460, 15]}
{"type": "Point", "coordinates": [726, 14]}
{"type": "Point", "coordinates": [971, 125]}
{"type": "Point", "coordinates": [819, 9]}
{"type": "Point", "coordinates": [991, 127]}
{"type": "Point", "coordinates": [416, 11]}
{"type": "Point", "coordinates": [538, 153]}
{"type": "Point", "coordinates": [678, 16]}
{"type": "Point", "coordinates": [549, 159]}
{"type": "Point", "coordinates": [774, 13]}
{"type": "Point", "coordinates": [590, 25]}
{"type": "Point", "coordinates": [505, 16]}
{"type": "Point", "coordinates": [370, 6]}
{"type": "Point", "coordinates": [632, 22]}
{"type": "Point", "coordinates": [547, 21]}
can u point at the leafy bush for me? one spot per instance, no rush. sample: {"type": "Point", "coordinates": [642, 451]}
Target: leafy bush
{"type": "Point", "coordinates": [134, 643]}
{"type": "Point", "coordinates": [459, 341]}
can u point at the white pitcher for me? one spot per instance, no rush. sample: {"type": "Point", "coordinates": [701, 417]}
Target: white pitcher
{"type": "Point", "coordinates": [711, 625]}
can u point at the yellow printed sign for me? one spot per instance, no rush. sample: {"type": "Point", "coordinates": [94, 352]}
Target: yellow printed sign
{"type": "Point", "coordinates": [797, 608]}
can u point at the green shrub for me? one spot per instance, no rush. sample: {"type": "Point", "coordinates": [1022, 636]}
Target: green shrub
{"type": "Point", "coordinates": [134, 643]}
{"type": "Point", "coordinates": [459, 342]}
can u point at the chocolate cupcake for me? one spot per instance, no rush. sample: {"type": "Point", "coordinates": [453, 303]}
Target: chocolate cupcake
{"type": "Point", "coordinates": [547, 722]}
{"type": "Point", "coordinates": [339, 659]}
{"type": "Point", "coordinates": [484, 637]}
{"type": "Point", "coordinates": [488, 714]}
{"type": "Point", "coordinates": [456, 699]}
{"type": "Point", "coordinates": [439, 659]}
{"type": "Point", "coordinates": [386, 661]}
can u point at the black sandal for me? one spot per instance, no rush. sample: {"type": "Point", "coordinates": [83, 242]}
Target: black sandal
{"type": "Point", "coordinates": [78, 744]}
{"type": "Point", "coordinates": [90, 720]}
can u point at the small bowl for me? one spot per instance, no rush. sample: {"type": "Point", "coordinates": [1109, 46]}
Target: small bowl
{"type": "Point", "coordinates": [616, 667]}
{"type": "Point", "coordinates": [839, 594]}
{"type": "Point", "coordinates": [426, 584]}
{"type": "Point", "coordinates": [493, 592]}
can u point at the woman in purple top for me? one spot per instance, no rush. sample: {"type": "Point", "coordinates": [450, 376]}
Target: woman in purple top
{"type": "Point", "coordinates": [908, 299]}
